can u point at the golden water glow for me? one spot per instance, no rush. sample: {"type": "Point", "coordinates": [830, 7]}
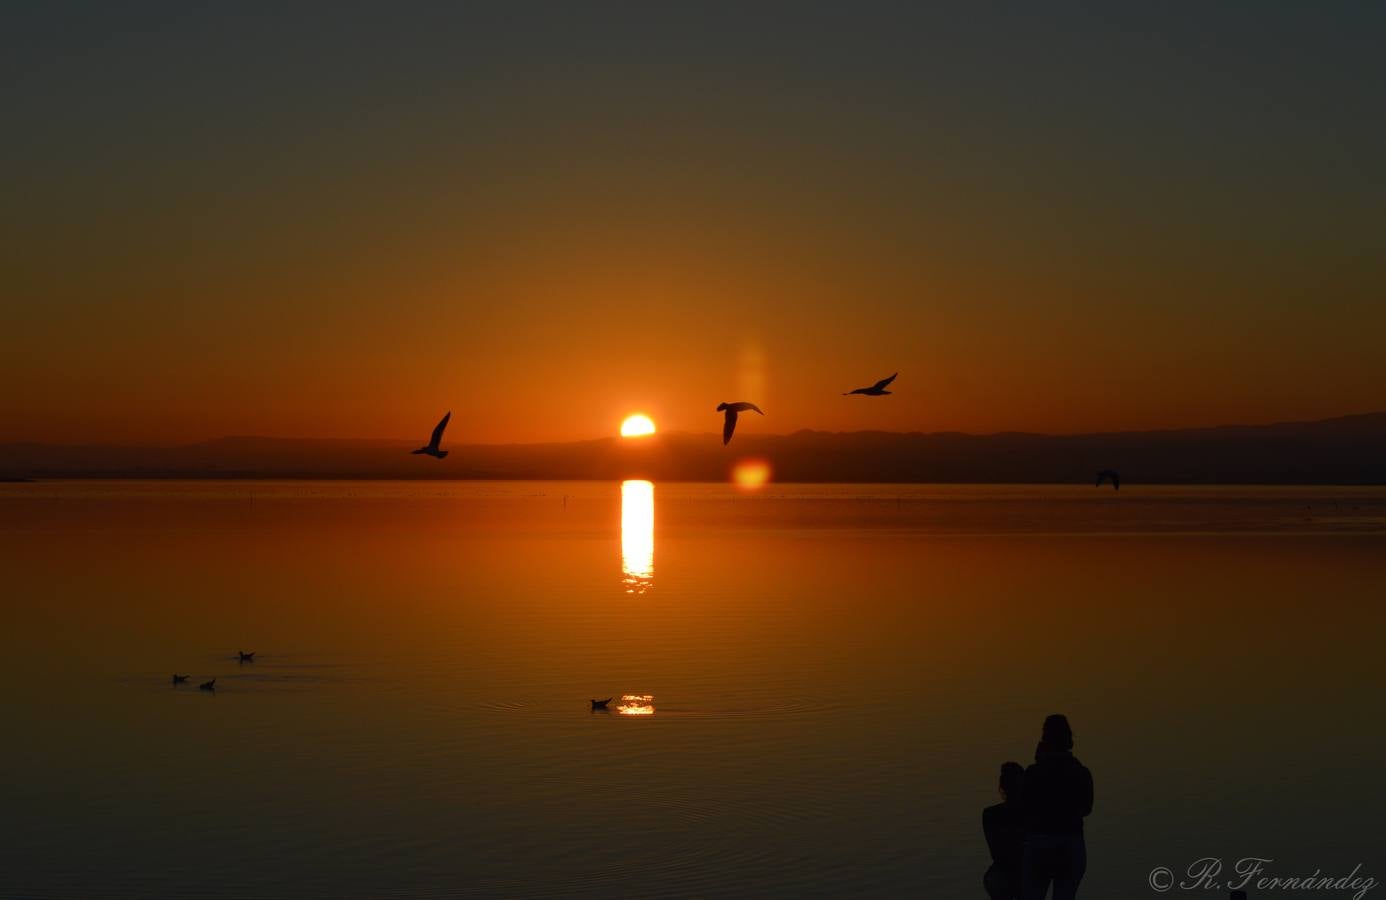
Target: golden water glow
{"type": "Point", "coordinates": [751, 474]}
{"type": "Point", "coordinates": [636, 705]}
{"type": "Point", "coordinates": [637, 535]}
{"type": "Point", "coordinates": [637, 425]}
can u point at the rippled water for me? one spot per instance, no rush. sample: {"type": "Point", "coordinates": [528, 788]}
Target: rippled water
{"type": "Point", "coordinates": [812, 686]}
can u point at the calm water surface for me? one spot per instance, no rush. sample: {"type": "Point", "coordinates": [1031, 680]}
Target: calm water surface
{"type": "Point", "coordinates": [824, 680]}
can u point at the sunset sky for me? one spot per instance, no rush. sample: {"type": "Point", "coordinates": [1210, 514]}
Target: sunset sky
{"type": "Point", "coordinates": [343, 222]}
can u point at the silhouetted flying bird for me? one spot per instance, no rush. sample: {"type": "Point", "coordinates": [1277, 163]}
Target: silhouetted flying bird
{"type": "Point", "coordinates": [732, 409]}
{"type": "Point", "coordinates": [432, 448]}
{"type": "Point", "coordinates": [876, 390]}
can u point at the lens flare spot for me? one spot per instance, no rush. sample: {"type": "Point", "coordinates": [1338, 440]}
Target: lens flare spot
{"type": "Point", "coordinates": [751, 474]}
{"type": "Point", "coordinates": [637, 425]}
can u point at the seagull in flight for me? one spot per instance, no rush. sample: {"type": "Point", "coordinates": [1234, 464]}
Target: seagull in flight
{"type": "Point", "coordinates": [432, 448]}
{"type": "Point", "coordinates": [732, 409]}
{"type": "Point", "coordinates": [876, 390]}
{"type": "Point", "coordinates": [1109, 474]}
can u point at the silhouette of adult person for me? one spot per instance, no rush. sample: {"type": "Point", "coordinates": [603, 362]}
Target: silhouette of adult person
{"type": "Point", "coordinates": [1004, 827]}
{"type": "Point", "coordinates": [1057, 794]}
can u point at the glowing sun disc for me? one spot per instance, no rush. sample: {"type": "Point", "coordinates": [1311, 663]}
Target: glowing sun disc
{"type": "Point", "coordinates": [637, 425]}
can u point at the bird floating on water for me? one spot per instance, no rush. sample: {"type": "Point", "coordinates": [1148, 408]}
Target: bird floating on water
{"type": "Point", "coordinates": [432, 448]}
{"type": "Point", "coordinates": [601, 704]}
{"type": "Point", "coordinates": [208, 685]}
{"type": "Point", "coordinates": [731, 410]}
{"type": "Point", "coordinates": [179, 679]}
{"type": "Point", "coordinates": [876, 390]}
{"type": "Point", "coordinates": [1109, 475]}
{"type": "Point", "coordinates": [245, 657]}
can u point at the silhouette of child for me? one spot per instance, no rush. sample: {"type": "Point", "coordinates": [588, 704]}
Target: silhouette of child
{"type": "Point", "coordinates": [1004, 827]}
{"type": "Point", "coordinates": [1057, 793]}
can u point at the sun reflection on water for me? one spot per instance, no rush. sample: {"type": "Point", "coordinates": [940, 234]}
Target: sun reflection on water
{"type": "Point", "coordinates": [637, 535]}
{"type": "Point", "coordinates": [636, 705]}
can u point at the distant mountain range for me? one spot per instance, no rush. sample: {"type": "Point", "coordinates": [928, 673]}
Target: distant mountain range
{"type": "Point", "coordinates": [1346, 450]}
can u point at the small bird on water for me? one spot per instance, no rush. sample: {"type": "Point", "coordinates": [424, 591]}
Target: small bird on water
{"type": "Point", "coordinates": [1109, 474]}
{"type": "Point", "coordinates": [731, 410]}
{"type": "Point", "coordinates": [208, 685]}
{"type": "Point", "coordinates": [432, 448]}
{"type": "Point", "coordinates": [179, 679]}
{"type": "Point", "coordinates": [876, 390]}
{"type": "Point", "coordinates": [245, 657]}
{"type": "Point", "coordinates": [601, 704]}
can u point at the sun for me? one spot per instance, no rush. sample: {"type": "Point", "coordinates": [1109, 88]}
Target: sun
{"type": "Point", "coordinates": [637, 425]}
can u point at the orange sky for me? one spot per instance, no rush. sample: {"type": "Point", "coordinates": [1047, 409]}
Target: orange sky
{"type": "Point", "coordinates": [372, 225]}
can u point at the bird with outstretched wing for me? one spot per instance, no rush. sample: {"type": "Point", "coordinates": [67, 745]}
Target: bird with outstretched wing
{"type": "Point", "coordinates": [731, 410]}
{"type": "Point", "coordinates": [876, 390]}
{"type": "Point", "coordinates": [432, 448]}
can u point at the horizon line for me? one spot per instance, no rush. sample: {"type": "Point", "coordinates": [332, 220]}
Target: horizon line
{"type": "Point", "coordinates": [659, 434]}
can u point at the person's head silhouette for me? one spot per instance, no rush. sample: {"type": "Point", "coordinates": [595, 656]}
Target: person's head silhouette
{"type": "Point", "coordinates": [1012, 774]}
{"type": "Point", "coordinates": [1057, 734]}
